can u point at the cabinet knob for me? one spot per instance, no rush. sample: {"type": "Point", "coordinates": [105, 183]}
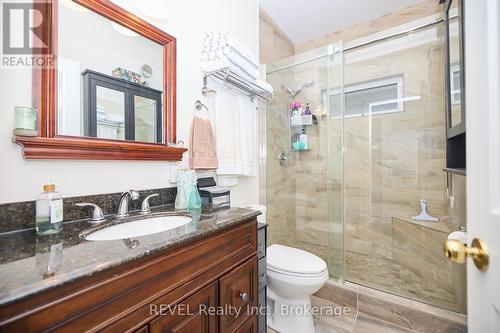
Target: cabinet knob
{"type": "Point", "coordinates": [244, 297]}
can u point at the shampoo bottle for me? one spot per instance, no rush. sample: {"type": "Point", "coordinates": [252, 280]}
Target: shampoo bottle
{"type": "Point", "coordinates": [308, 110]}
{"type": "Point", "coordinates": [303, 138]}
{"type": "Point", "coordinates": [49, 210]}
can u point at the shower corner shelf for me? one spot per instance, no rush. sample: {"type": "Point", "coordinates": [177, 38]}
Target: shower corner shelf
{"type": "Point", "coordinates": [225, 75]}
{"type": "Point", "coordinates": [302, 125]}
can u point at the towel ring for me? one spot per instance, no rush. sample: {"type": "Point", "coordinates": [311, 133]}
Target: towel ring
{"type": "Point", "coordinates": [198, 105]}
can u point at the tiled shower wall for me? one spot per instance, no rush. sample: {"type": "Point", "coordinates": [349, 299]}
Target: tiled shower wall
{"type": "Point", "coordinates": [281, 184]}
{"type": "Point", "coordinates": [297, 196]}
{"type": "Point", "coordinates": [391, 162]}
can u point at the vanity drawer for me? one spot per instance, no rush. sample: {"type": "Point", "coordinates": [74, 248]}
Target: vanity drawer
{"type": "Point", "coordinates": [238, 290]}
{"type": "Point", "coordinates": [250, 326]}
{"type": "Point", "coordinates": [262, 273]}
{"type": "Point", "coordinates": [261, 242]}
{"type": "Point", "coordinates": [190, 315]}
{"type": "Point", "coordinates": [144, 329]}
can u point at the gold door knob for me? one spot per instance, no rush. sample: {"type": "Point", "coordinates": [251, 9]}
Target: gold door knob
{"type": "Point", "coordinates": [458, 252]}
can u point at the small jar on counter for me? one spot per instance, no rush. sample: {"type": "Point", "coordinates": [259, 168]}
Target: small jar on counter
{"type": "Point", "coordinates": [25, 121]}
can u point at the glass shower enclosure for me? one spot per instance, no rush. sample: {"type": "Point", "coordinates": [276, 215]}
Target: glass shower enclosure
{"type": "Point", "coordinates": [346, 181]}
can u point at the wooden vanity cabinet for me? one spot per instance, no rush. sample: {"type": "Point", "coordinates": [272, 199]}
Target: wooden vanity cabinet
{"type": "Point", "coordinates": [238, 291]}
{"type": "Point", "coordinates": [144, 329]}
{"type": "Point", "coordinates": [217, 271]}
{"type": "Point", "coordinates": [249, 326]}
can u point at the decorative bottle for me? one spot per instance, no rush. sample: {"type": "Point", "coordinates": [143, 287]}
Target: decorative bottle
{"type": "Point", "coordinates": [181, 200]}
{"type": "Point", "coordinates": [194, 197]}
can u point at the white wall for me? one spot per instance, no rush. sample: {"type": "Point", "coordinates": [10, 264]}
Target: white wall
{"type": "Point", "coordinates": [108, 49]}
{"type": "Point", "coordinates": [21, 180]}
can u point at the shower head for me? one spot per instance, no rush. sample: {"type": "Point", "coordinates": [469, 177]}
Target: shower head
{"type": "Point", "coordinates": [294, 93]}
{"type": "Point", "coordinates": [308, 84]}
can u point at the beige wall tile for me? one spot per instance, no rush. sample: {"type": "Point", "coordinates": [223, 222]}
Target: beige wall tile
{"type": "Point", "coordinates": [411, 13]}
{"type": "Point", "coordinates": [274, 44]}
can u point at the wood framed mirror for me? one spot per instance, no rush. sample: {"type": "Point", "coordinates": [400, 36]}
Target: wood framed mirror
{"type": "Point", "coordinates": [111, 92]}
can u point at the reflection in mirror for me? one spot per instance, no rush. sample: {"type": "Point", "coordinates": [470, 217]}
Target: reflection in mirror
{"type": "Point", "coordinates": [145, 119]}
{"type": "Point", "coordinates": [110, 114]}
{"type": "Point", "coordinates": [103, 90]}
{"type": "Point", "coordinates": [454, 64]}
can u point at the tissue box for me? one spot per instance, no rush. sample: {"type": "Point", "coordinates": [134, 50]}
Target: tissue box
{"type": "Point", "coordinates": [213, 196]}
{"type": "Point", "coordinates": [125, 74]}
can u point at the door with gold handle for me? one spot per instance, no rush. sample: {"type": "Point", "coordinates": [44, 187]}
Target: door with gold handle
{"type": "Point", "coordinates": [458, 252]}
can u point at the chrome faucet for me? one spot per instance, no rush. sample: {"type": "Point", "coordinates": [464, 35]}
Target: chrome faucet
{"type": "Point", "coordinates": [124, 199]}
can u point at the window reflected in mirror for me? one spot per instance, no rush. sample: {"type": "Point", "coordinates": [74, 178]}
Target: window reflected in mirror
{"type": "Point", "coordinates": [145, 119]}
{"type": "Point", "coordinates": [110, 114]}
{"type": "Point", "coordinates": [454, 64]}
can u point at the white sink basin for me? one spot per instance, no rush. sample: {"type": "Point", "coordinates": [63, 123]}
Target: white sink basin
{"type": "Point", "coordinates": [139, 228]}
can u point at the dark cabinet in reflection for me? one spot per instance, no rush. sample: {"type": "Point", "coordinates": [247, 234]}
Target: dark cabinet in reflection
{"type": "Point", "coordinates": [121, 110]}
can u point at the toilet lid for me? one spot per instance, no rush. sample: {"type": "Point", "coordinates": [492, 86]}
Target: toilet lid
{"type": "Point", "coordinates": [289, 259]}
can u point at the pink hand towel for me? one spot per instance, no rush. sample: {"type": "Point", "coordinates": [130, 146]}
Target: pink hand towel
{"type": "Point", "coordinates": [203, 153]}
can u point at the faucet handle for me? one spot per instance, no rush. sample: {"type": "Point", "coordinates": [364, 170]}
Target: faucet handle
{"type": "Point", "coordinates": [97, 215]}
{"type": "Point", "coordinates": [134, 195]}
{"type": "Point", "coordinates": [145, 204]}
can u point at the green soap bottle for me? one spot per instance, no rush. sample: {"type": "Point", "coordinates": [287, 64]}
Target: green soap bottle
{"type": "Point", "coordinates": [49, 210]}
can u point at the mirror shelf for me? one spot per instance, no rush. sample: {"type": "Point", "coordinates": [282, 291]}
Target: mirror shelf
{"type": "Point", "coordinates": [51, 143]}
{"type": "Point", "coordinates": [78, 148]}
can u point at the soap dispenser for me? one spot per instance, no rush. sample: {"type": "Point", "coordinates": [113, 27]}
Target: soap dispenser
{"type": "Point", "coordinates": [49, 210]}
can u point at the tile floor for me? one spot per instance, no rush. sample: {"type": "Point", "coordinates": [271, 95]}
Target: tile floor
{"type": "Point", "coordinates": [363, 324]}
{"type": "Point", "coordinates": [376, 312]}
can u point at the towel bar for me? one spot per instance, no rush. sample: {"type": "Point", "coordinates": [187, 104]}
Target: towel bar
{"type": "Point", "coordinates": [227, 76]}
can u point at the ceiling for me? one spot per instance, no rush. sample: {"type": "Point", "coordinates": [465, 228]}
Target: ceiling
{"type": "Point", "coordinates": [304, 20]}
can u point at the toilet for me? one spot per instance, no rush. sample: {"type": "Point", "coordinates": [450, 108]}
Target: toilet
{"type": "Point", "coordinates": [293, 275]}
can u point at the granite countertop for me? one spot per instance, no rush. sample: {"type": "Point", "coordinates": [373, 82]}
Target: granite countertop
{"type": "Point", "coordinates": [30, 264]}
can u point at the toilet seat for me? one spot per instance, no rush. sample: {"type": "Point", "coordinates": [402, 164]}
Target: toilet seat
{"type": "Point", "coordinates": [294, 262]}
{"type": "Point", "coordinates": [297, 275]}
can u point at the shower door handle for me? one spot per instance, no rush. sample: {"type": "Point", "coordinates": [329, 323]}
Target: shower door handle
{"type": "Point", "coordinates": [283, 158]}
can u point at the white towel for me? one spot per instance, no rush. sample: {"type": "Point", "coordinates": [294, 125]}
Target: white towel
{"type": "Point", "coordinates": [227, 181]}
{"type": "Point", "coordinates": [236, 134]}
{"type": "Point", "coordinates": [245, 53]}
{"type": "Point", "coordinates": [214, 40]}
{"type": "Point", "coordinates": [264, 85]}
{"type": "Point", "coordinates": [223, 47]}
